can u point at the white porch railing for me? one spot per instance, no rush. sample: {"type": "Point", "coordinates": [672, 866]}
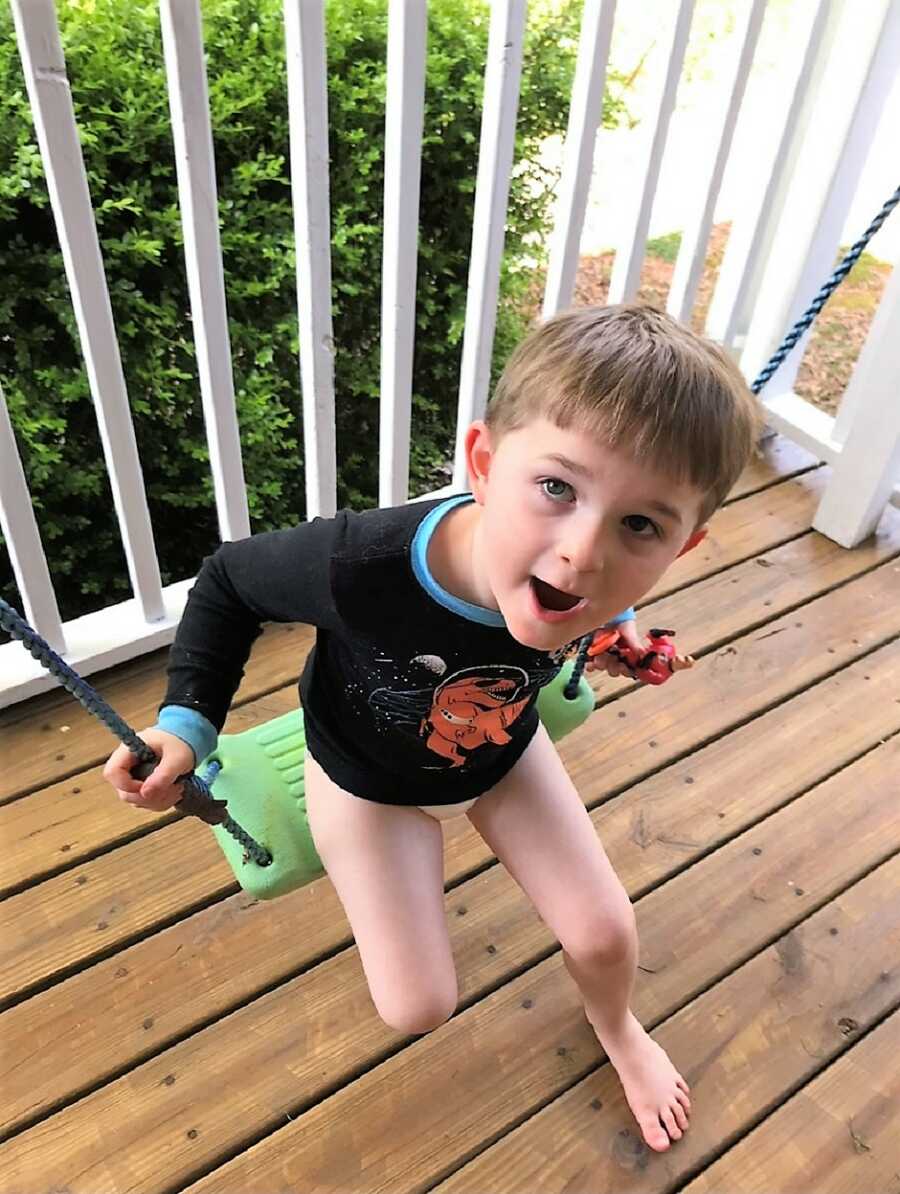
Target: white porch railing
{"type": "Point", "coordinates": [777, 256]}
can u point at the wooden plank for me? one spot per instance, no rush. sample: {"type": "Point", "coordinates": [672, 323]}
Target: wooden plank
{"type": "Point", "coordinates": [141, 994]}
{"type": "Point", "coordinates": [529, 1041]}
{"type": "Point", "coordinates": [738, 599]}
{"type": "Point", "coordinates": [700, 802]}
{"type": "Point", "coordinates": [508, 1054]}
{"type": "Point", "coordinates": [745, 529]}
{"type": "Point", "coordinates": [745, 678]}
{"type": "Point", "coordinates": [103, 904]}
{"type": "Point", "coordinates": [47, 1060]}
{"type": "Point", "coordinates": [51, 830]}
{"type": "Point", "coordinates": [840, 1134]}
{"type": "Point", "coordinates": [776, 459]}
{"type": "Point", "coordinates": [726, 684]}
{"type": "Point", "coordinates": [197, 970]}
{"type": "Point", "coordinates": [764, 1030]}
{"type": "Point", "coordinates": [52, 736]}
{"type": "Point", "coordinates": [795, 651]}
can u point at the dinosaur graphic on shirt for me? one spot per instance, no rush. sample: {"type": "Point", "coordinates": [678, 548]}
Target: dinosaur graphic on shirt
{"type": "Point", "coordinates": [468, 710]}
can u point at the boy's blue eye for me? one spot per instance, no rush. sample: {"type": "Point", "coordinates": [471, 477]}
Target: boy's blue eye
{"type": "Point", "coordinates": [559, 491]}
{"type": "Point", "coordinates": [640, 525]}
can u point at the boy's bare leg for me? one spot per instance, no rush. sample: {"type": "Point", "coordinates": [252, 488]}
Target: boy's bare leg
{"type": "Point", "coordinates": [536, 824]}
{"type": "Point", "coordinates": [387, 865]}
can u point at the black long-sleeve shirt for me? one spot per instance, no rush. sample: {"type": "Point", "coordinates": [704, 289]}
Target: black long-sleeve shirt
{"type": "Point", "coordinates": [410, 696]}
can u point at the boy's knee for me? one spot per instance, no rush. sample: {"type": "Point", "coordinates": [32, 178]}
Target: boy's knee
{"type": "Point", "coordinates": [415, 1012]}
{"type": "Point", "coordinates": [608, 937]}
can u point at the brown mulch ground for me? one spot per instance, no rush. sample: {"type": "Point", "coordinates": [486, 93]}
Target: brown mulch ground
{"type": "Point", "coordinates": [838, 332]}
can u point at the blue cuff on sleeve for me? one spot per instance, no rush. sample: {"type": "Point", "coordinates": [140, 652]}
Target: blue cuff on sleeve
{"type": "Point", "coordinates": [627, 615]}
{"type": "Point", "coordinates": [191, 727]}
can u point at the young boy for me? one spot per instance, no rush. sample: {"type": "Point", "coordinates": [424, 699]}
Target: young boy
{"type": "Point", "coordinates": [613, 435]}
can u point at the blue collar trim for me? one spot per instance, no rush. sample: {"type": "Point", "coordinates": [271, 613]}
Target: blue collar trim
{"type": "Point", "coordinates": [419, 558]}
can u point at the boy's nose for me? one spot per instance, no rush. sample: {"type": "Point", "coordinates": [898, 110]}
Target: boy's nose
{"type": "Point", "coordinates": [581, 549]}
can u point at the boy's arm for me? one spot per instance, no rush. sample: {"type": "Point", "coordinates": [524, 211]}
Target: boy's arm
{"type": "Point", "coordinates": [626, 625]}
{"type": "Point", "coordinates": [280, 576]}
{"type": "Point", "coordinates": [283, 576]}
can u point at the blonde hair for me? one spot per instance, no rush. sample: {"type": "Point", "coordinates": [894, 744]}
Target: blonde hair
{"type": "Point", "coordinates": [639, 380]}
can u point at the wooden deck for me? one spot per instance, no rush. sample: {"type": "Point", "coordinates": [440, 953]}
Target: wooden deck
{"type": "Point", "coordinates": [162, 1031]}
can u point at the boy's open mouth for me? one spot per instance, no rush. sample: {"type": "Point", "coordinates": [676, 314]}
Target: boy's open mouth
{"type": "Point", "coordinates": [553, 599]}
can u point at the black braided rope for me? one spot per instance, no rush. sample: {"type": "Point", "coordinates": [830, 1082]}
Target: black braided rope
{"type": "Point", "coordinates": [571, 689]}
{"type": "Point", "coordinates": [824, 294]}
{"type": "Point", "coordinates": [197, 799]}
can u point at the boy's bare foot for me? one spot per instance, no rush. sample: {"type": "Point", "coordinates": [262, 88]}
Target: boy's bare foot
{"type": "Point", "coordinates": [656, 1093]}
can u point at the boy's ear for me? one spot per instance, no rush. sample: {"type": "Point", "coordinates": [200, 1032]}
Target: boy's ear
{"type": "Point", "coordinates": [693, 539]}
{"type": "Point", "coordinates": [479, 453]}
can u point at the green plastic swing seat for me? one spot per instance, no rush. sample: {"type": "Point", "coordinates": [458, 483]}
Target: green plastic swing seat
{"type": "Point", "coordinates": [262, 779]}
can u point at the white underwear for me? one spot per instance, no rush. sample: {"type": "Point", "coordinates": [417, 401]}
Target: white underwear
{"type": "Point", "coordinates": [443, 812]}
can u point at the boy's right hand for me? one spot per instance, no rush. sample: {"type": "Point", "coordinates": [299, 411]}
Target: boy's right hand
{"type": "Point", "coordinates": [158, 791]}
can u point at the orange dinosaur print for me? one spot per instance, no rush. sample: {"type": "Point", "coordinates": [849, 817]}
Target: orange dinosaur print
{"type": "Point", "coordinates": [469, 711]}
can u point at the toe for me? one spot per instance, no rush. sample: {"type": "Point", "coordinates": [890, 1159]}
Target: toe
{"type": "Point", "coordinates": [667, 1117]}
{"type": "Point", "coordinates": [655, 1134]}
{"type": "Point", "coordinates": [680, 1116]}
{"type": "Point", "coordinates": [684, 1101]}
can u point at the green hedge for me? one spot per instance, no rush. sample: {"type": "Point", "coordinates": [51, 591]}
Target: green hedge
{"type": "Point", "coordinates": [114, 59]}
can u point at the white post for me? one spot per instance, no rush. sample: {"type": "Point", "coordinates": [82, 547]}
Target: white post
{"type": "Point", "coordinates": [626, 273]}
{"type": "Point", "coordinates": [750, 240]}
{"type": "Point", "coordinates": [869, 464]}
{"type": "Point", "coordinates": [402, 171]}
{"type": "Point", "coordinates": [23, 541]}
{"type": "Point", "coordinates": [304, 34]}
{"type": "Point", "coordinates": [584, 118]}
{"type": "Point", "coordinates": [54, 118]}
{"type": "Point", "coordinates": [495, 156]}
{"type": "Point", "coordinates": [805, 248]}
{"type": "Point", "coordinates": [192, 133]}
{"type": "Point", "coordinates": [846, 412]}
{"type": "Point", "coordinates": [692, 251]}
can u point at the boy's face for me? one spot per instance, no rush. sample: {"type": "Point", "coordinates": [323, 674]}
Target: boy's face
{"type": "Point", "coordinates": [572, 532]}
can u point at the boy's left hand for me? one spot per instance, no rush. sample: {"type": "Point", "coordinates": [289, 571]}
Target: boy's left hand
{"type": "Point", "coordinates": [613, 666]}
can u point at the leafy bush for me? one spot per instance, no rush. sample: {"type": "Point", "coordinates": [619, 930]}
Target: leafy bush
{"type": "Point", "coordinates": [665, 247]}
{"type": "Point", "coordinates": [118, 86]}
